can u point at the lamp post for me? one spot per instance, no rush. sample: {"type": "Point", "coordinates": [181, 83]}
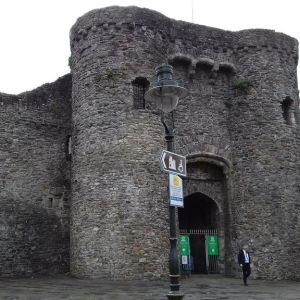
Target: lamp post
{"type": "Point", "coordinates": [165, 95]}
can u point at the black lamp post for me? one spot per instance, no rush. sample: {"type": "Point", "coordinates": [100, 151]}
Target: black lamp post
{"type": "Point", "coordinates": [165, 95]}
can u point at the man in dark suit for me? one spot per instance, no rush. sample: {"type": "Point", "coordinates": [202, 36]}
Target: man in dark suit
{"type": "Point", "coordinates": [244, 262]}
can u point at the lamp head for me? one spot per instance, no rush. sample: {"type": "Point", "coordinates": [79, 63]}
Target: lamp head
{"type": "Point", "coordinates": [166, 92]}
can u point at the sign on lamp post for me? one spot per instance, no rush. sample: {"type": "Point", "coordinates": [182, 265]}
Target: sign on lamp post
{"type": "Point", "coordinates": [173, 163]}
{"type": "Point", "coordinates": [175, 190]}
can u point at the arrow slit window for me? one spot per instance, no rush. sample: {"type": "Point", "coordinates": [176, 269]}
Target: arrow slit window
{"type": "Point", "coordinates": [140, 86]}
{"type": "Point", "coordinates": [69, 147]}
{"type": "Point", "coordinates": [288, 112]}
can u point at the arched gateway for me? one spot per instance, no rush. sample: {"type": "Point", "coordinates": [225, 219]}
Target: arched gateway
{"type": "Point", "coordinates": [205, 216]}
{"type": "Point", "coordinates": [199, 219]}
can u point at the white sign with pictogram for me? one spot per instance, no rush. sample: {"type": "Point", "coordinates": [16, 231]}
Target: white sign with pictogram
{"type": "Point", "coordinates": [173, 163]}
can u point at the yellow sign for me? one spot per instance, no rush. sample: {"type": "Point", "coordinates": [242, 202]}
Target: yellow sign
{"type": "Point", "coordinates": [176, 180]}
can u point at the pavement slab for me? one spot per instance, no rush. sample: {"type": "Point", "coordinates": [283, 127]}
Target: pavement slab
{"type": "Point", "coordinates": [197, 287]}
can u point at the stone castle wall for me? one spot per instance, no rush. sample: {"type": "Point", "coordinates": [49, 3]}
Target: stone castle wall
{"type": "Point", "coordinates": [215, 118]}
{"type": "Point", "coordinates": [265, 159]}
{"type": "Point", "coordinates": [240, 120]}
{"type": "Point", "coordinates": [34, 193]}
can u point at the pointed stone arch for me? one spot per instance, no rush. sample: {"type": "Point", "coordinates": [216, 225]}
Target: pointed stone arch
{"type": "Point", "coordinates": [199, 212]}
{"type": "Point", "coordinates": [208, 190]}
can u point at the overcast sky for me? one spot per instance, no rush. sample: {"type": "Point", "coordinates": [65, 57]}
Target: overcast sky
{"type": "Point", "coordinates": [35, 33]}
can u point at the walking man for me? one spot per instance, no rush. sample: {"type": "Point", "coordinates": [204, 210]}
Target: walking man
{"type": "Point", "coordinates": [244, 262]}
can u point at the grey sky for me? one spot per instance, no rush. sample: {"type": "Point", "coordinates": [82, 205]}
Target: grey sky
{"type": "Point", "coordinates": [35, 33]}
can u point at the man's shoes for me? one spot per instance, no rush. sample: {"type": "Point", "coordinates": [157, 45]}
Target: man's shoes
{"type": "Point", "coordinates": [245, 283]}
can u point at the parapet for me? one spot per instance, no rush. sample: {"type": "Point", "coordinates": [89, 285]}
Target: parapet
{"type": "Point", "coordinates": [165, 30]}
{"type": "Point", "coordinates": [49, 103]}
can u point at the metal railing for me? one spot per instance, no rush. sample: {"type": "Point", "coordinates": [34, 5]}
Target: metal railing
{"type": "Point", "coordinates": [212, 265]}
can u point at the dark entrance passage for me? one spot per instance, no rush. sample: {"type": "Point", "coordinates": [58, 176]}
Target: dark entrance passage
{"type": "Point", "coordinates": [197, 243]}
{"type": "Point", "coordinates": [198, 219]}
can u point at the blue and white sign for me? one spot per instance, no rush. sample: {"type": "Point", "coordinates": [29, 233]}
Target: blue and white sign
{"type": "Point", "coordinates": [175, 190]}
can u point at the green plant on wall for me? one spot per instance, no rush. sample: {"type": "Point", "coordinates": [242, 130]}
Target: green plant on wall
{"type": "Point", "coordinates": [243, 85]}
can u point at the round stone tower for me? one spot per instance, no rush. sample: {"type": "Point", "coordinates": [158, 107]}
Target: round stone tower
{"type": "Point", "coordinates": [264, 125]}
{"type": "Point", "coordinates": [119, 213]}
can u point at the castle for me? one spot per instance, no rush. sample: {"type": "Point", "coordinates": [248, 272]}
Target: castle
{"type": "Point", "coordinates": [81, 187]}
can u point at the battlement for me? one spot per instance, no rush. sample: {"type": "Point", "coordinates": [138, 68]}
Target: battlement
{"type": "Point", "coordinates": [47, 104]}
{"type": "Point", "coordinates": [39, 97]}
{"type": "Point", "coordinates": [163, 30]}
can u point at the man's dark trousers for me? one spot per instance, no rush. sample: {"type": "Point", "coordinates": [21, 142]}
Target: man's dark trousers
{"type": "Point", "coordinates": [246, 272]}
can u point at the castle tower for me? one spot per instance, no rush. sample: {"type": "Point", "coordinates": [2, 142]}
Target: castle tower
{"type": "Point", "coordinates": [238, 128]}
{"type": "Point", "coordinates": [264, 125]}
{"type": "Point", "coordinates": [119, 214]}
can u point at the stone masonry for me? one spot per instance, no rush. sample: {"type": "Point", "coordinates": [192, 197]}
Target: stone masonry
{"type": "Point", "coordinates": [35, 180]}
{"type": "Point", "coordinates": [80, 157]}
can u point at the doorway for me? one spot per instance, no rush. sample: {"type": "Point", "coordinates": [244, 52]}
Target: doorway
{"type": "Point", "coordinates": [199, 220]}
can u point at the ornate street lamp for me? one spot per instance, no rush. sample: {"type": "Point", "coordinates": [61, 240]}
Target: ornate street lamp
{"type": "Point", "coordinates": [165, 95]}
{"type": "Point", "coordinates": [166, 92]}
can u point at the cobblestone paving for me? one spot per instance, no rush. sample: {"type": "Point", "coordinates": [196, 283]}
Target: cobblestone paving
{"type": "Point", "coordinates": [194, 288]}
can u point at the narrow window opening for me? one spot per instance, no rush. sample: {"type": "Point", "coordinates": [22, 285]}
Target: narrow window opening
{"type": "Point", "coordinates": [287, 106]}
{"type": "Point", "coordinates": [140, 86]}
{"type": "Point", "coordinates": [69, 148]}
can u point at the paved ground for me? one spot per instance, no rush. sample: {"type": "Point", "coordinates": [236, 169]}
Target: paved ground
{"type": "Point", "coordinates": [195, 288]}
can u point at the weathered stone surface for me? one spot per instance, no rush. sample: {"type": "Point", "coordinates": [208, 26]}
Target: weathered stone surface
{"type": "Point", "coordinates": [35, 180]}
{"type": "Point", "coordinates": [238, 128]}
{"type": "Point", "coordinates": [246, 128]}
{"type": "Point", "coordinates": [116, 182]}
